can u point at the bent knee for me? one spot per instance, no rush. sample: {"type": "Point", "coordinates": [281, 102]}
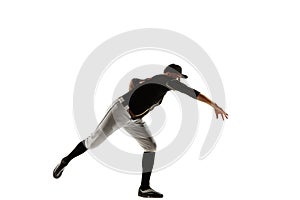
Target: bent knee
{"type": "Point", "coordinates": [151, 147]}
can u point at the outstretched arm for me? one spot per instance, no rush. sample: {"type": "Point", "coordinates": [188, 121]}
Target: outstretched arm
{"type": "Point", "coordinates": [177, 85]}
{"type": "Point", "coordinates": [218, 110]}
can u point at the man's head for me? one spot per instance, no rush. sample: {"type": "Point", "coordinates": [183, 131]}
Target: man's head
{"type": "Point", "coordinates": [174, 71]}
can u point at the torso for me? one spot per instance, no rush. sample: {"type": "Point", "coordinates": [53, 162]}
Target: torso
{"type": "Point", "coordinates": [145, 96]}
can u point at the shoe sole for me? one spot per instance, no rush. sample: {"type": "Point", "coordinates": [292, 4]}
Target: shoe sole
{"type": "Point", "coordinates": [148, 196]}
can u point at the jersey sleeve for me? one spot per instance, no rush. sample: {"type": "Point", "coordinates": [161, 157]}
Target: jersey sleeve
{"type": "Point", "coordinates": [177, 85]}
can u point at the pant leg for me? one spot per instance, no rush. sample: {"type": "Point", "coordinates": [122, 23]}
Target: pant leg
{"type": "Point", "coordinates": [115, 118]}
{"type": "Point", "coordinates": [139, 130]}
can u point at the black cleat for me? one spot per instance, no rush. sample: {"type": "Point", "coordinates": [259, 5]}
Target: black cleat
{"type": "Point", "coordinates": [149, 193]}
{"type": "Point", "coordinates": [57, 172]}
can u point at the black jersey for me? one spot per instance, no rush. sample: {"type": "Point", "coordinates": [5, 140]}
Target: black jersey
{"type": "Point", "coordinates": [149, 93]}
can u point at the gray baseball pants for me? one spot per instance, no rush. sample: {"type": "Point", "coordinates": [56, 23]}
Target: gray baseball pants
{"type": "Point", "coordinates": [117, 117]}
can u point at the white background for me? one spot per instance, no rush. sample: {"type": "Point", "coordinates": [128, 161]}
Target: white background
{"type": "Point", "coordinates": [255, 46]}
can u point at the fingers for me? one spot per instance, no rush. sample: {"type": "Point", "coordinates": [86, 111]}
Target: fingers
{"type": "Point", "coordinates": [225, 114]}
{"type": "Point", "coordinates": [222, 113]}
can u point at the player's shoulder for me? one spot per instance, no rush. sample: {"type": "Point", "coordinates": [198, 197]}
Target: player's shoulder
{"type": "Point", "coordinates": [161, 78]}
{"type": "Point", "coordinates": [136, 81]}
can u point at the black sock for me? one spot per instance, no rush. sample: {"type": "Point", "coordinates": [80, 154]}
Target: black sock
{"type": "Point", "coordinates": [147, 163]}
{"type": "Point", "coordinates": [79, 149]}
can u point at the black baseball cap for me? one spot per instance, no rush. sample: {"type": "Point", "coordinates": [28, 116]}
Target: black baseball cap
{"type": "Point", "coordinates": [175, 69]}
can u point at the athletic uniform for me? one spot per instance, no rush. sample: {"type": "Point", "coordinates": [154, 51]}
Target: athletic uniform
{"type": "Point", "coordinates": [151, 92]}
{"type": "Point", "coordinates": [127, 112]}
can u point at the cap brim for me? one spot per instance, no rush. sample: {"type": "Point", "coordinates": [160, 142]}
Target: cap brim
{"type": "Point", "coordinates": [184, 76]}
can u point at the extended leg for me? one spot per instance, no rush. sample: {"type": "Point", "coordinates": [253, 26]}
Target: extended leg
{"type": "Point", "coordinates": [115, 118]}
{"type": "Point", "coordinates": [78, 150]}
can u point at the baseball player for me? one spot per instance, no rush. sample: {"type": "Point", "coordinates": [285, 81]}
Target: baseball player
{"type": "Point", "coordinates": [128, 111]}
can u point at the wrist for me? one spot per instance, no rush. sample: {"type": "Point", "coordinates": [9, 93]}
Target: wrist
{"type": "Point", "coordinates": [213, 104]}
